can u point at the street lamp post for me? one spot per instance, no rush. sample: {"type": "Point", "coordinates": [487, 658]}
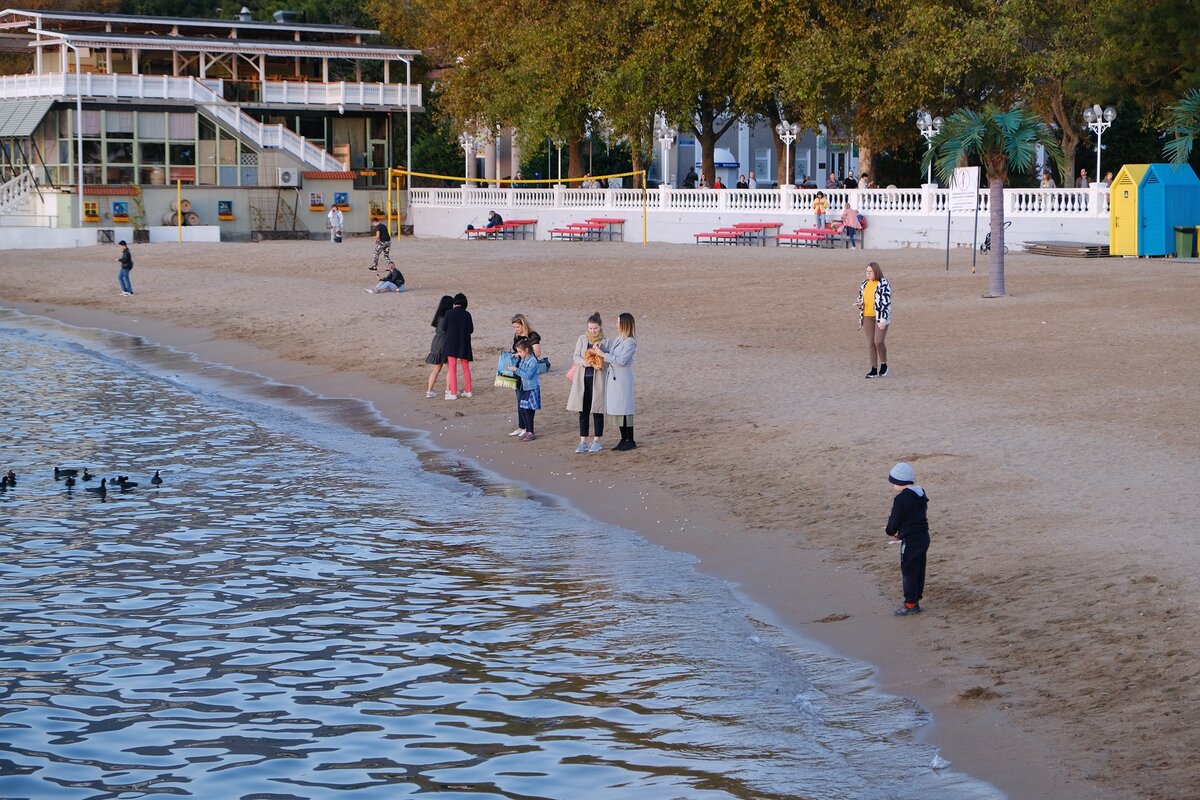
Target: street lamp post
{"type": "Point", "coordinates": [1098, 121]}
{"type": "Point", "coordinates": [666, 136]}
{"type": "Point", "coordinates": [558, 142]}
{"type": "Point", "coordinates": [467, 140]}
{"type": "Point", "coordinates": [929, 128]}
{"type": "Point", "coordinates": [786, 131]}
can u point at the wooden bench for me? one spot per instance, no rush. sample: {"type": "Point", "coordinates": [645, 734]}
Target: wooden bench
{"type": "Point", "coordinates": [613, 226]}
{"type": "Point", "coordinates": [759, 232]}
{"type": "Point", "coordinates": [720, 236]}
{"type": "Point", "coordinates": [794, 239]}
{"type": "Point", "coordinates": [509, 229]}
{"type": "Point", "coordinates": [808, 236]}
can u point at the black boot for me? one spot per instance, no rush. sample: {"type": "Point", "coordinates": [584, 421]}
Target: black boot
{"type": "Point", "coordinates": [624, 443]}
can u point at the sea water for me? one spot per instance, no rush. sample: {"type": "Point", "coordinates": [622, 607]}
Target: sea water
{"type": "Point", "coordinates": [315, 604]}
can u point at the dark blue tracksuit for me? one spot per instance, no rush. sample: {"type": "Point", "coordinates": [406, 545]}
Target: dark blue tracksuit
{"type": "Point", "coordinates": [908, 520]}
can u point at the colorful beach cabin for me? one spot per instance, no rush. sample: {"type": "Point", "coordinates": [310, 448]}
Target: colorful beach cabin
{"type": "Point", "coordinates": [1123, 219]}
{"type": "Point", "coordinates": [1167, 197]}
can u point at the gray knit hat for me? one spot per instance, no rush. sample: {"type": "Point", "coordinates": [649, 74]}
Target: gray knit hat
{"type": "Point", "coordinates": [902, 475]}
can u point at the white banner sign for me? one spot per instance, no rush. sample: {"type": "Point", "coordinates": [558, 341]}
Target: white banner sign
{"type": "Point", "coordinates": [964, 189]}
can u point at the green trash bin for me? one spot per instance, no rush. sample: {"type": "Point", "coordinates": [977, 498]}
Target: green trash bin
{"type": "Point", "coordinates": [1185, 242]}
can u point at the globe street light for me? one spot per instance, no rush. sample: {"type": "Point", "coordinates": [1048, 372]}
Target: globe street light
{"type": "Point", "coordinates": [666, 135]}
{"type": "Point", "coordinates": [786, 131]}
{"type": "Point", "coordinates": [1098, 122]}
{"type": "Point", "coordinates": [929, 128]}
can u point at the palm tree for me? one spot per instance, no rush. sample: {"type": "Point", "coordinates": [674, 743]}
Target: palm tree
{"type": "Point", "coordinates": [1002, 141]}
{"type": "Point", "coordinates": [1184, 119]}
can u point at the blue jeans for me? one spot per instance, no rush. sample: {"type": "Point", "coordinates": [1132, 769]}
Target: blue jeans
{"type": "Point", "coordinates": [126, 286]}
{"type": "Point", "coordinates": [851, 233]}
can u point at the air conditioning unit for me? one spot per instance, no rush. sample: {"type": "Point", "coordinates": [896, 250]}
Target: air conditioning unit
{"type": "Point", "coordinates": [289, 176]}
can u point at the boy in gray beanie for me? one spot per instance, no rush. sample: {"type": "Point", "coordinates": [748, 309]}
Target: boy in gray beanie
{"type": "Point", "coordinates": [909, 525]}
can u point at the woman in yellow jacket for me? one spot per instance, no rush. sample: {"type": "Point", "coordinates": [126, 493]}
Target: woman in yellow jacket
{"type": "Point", "coordinates": [820, 207]}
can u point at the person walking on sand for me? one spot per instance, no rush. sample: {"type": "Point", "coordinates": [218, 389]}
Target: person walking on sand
{"type": "Point", "coordinates": [587, 386]}
{"type": "Point", "coordinates": [521, 330]}
{"type": "Point", "coordinates": [457, 346]}
{"type": "Point", "coordinates": [618, 389]}
{"type": "Point", "coordinates": [336, 221]}
{"type": "Point", "coordinates": [874, 317]}
{"type": "Point", "coordinates": [530, 388]}
{"type": "Point", "coordinates": [126, 262]}
{"type": "Point", "coordinates": [437, 356]}
{"type": "Point", "coordinates": [908, 524]}
{"type": "Point", "coordinates": [383, 245]}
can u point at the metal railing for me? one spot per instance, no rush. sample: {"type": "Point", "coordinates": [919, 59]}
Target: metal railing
{"type": "Point", "coordinates": [206, 94]}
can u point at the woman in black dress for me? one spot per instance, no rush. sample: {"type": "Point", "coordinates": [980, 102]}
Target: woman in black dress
{"type": "Point", "coordinates": [436, 356]}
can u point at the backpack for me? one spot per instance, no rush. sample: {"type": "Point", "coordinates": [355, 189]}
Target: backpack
{"type": "Point", "coordinates": [862, 222]}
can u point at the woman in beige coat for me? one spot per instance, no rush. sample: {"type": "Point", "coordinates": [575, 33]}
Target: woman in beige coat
{"type": "Point", "coordinates": [587, 387]}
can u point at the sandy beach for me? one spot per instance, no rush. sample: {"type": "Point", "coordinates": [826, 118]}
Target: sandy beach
{"type": "Point", "coordinates": [1052, 429]}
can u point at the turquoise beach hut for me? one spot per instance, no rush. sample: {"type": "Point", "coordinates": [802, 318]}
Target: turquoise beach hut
{"type": "Point", "coordinates": [1167, 197]}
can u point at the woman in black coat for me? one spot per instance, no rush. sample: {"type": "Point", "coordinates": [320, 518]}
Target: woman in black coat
{"type": "Point", "coordinates": [456, 346]}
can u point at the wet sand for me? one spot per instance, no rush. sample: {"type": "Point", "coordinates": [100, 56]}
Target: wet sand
{"type": "Point", "coordinates": [1052, 430]}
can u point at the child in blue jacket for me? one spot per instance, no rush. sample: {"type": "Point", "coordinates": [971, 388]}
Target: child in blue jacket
{"type": "Point", "coordinates": [909, 524]}
{"type": "Point", "coordinates": [530, 399]}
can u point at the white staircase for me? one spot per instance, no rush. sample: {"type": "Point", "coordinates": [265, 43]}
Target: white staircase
{"type": "Point", "coordinates": [17, 196]}
{"type": "Point", "coordinates": [205, 95]}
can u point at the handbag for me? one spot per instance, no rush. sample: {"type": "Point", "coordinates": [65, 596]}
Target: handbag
{"type": "Point", "coordinates": [506, 381]}
{"type": "Point", "coordinates": [571, 373]}
{"type": "Point", "coordinates": [543, 366]}
{"type": "Point", "coordinates": [506, 363]}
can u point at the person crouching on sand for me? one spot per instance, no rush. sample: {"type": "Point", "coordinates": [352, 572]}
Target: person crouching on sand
{"type": "Point", "coordinates": [531, 388]}
{"type": "Point", "coordinates": [909, 524]}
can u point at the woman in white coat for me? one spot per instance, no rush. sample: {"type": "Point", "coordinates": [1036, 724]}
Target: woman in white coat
{"type": "Point", "coordinates": [618, 392]}
{"type": "Point", "coordinates": [587, 387]}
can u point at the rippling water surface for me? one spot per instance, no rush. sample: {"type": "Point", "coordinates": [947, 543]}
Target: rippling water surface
{"type": "Point", "coordinates": [303, 610]}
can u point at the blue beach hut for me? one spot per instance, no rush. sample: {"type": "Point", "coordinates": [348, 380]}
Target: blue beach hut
{"type": "Point", "coordinates": [1167, 197]}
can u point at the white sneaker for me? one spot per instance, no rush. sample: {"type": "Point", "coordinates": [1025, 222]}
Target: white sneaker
{"type": "Point", "coordinates": [450, 396]}
{"type": "Point", "coordinates": [517, 432]}
{"type": "Point", "coordinates": [466, 394]}
{"type": "Point", "coordinates": [430, 394]}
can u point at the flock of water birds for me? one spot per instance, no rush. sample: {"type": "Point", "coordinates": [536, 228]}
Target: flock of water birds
{"type": "Point", "coordinates": [68, 476]}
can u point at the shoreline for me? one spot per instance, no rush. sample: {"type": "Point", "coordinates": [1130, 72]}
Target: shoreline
{"type": "Point", "coordinates": [770, 497]}
{"type": "Point", "coordinates": [764, 593]}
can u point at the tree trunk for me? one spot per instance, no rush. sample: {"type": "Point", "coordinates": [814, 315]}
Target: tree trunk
{"type": "Point", "coordinates": [577, 158]}
{"type": "Point", "coordinates": [1070, 137]}
{"type": "Point", "coordinates": [996, 219]}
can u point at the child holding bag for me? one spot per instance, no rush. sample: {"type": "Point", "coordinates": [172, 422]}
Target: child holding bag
{"type": "Point", "coordinates": [530, 389]}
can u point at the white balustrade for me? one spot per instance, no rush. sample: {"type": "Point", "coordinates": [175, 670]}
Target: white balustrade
{"type": "Point", "coordinates": [16, 191]}
{"type": "Point", "coordinates": [898, 202]}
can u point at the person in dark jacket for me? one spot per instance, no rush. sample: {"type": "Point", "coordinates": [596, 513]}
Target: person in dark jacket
{"type": "Point", "coordinates": [126, 262]}
{"type": "Point", "coordinates": [909, 525]}
{"type": "Point", "coordinates": [456, 346]}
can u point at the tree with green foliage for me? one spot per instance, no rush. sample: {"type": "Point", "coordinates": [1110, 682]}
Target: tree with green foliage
{"type": "Point", "coordinates": [1183, 120]}
{"type": "Point", "coordinates": [1003, 142]}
